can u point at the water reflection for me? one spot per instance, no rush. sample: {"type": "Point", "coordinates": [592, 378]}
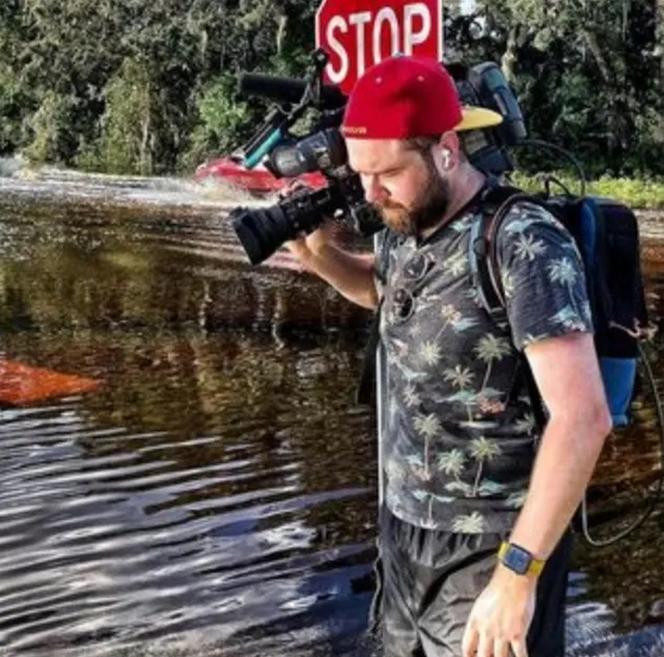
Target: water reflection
{"type": "Point", "coordinates": [162, 505]}
{"type": "Point", "coordinates": [216, 495]}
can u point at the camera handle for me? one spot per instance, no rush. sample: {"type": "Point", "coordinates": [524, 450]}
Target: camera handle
{"type": "Point", "coordinates": [275, 129]}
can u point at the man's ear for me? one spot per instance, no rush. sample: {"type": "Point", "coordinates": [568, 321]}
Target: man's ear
{"type": "Point", "coordinates": [449, 149]}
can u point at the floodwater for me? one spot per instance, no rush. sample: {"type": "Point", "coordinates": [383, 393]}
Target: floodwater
{"type": "Point", "coordinates": [215, 494]}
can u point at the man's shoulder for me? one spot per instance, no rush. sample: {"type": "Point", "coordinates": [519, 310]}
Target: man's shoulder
{"type": "Point", "coordinates": [530, 221]}
{"type": "Point", "coordinates": [525, 213]}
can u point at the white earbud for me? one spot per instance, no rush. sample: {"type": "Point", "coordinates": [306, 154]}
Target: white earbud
{"type": "Point", "coordinates": [447, 154]}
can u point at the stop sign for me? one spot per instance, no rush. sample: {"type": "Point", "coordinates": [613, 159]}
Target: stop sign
{"type": "Point", "coordinates": [358, 33]}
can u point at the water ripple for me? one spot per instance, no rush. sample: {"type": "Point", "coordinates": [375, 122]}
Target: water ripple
{"type": "Point", "coordinates": [215, 495]}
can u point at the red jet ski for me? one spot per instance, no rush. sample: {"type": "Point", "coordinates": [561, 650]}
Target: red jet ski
{"type": "Point", "coordinates": [257, 180]}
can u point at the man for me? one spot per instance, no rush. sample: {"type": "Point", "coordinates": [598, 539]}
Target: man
{"type": "Point", "coordinates": [463, 464]}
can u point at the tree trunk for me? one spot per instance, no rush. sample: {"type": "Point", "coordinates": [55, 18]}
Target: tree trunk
{"type": "Point", "coordinates": [659, 40]}
{"type": "Point", "coordinates": [616, 117]}
{"type": "Point", "coordinates": [625, 18]}
{"type": "Point", "coordinates": [145, 155]}
{"type": "Point", "coordinates": [593, 45]}
{"type": "Point", "coordinates": [510, 57]}
{"type": "Point", "coordinates": [281, 33]}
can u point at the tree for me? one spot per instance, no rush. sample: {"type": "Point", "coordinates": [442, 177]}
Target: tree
{"type": "Point", "coordinates": [428, 426]}
{"type": "Point", "coordinates": [482, 450]}
{"type": "Point", "coordinates": [586, 74]}
{"type": "Point", "coordinates": [589, 75]}
{"type": "Point", "coordinates": [489, 349]}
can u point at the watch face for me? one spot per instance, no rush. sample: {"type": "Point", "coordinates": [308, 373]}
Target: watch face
{"type": "Point", "coordinates": [517, 559]}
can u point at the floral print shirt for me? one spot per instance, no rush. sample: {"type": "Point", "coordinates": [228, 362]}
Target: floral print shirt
{"type": "Point", "coordinates": [460, 435]}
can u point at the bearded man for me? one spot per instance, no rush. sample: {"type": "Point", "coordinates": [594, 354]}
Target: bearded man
{"type": "Point", "coordinates": [477, 501]}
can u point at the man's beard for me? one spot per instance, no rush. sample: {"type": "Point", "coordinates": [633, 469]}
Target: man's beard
{"type": "Point", "coordinates": [425, 214]}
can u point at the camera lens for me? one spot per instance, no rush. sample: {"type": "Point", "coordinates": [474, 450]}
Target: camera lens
{"type": "Point", "coordinates": [262, 231]}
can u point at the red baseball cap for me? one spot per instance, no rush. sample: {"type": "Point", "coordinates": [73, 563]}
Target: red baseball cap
{"type": "Point", "coordinates": [403, 97]}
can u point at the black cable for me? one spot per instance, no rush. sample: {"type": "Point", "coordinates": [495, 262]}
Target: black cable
{"type": "Point", "coordinates": [545, 145]}
{"type": "Point", "coordinates": [539, 143]}
{"type": "Point", "coordinates": [649, 375]}
{"type": "Point", "coordinates": [660, 488]}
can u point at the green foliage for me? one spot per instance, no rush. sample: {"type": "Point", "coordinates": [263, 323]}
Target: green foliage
{"type": "Point", "coordinates": [126, 85]}
{"type": "Point", "coordinates": [221, 121]}
{"type": "Point", "coordinates": [636, 193]}
{"type": "Point", "coordinates": [49, 128]}
{"type": "Point", "coordinates": [188, 54]}
{"type": "Point", "coordinates": [129, 121]}
{"type": "Point", "coordinates": [642, 193]}
{"type": "Point", "coordinates": [10, 102]}
{"type": "Point", "coordinates": [589, 75]}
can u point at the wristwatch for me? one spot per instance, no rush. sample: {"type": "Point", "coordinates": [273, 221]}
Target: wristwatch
{"type": "Point", "coordinates": [519, 559]}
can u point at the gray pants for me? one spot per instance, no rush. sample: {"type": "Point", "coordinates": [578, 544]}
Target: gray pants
{"type": "Point", "coordinates": [430, 580]}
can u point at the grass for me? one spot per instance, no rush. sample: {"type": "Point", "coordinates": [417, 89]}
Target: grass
{"type": "Point", "coordinates": [641, 193]}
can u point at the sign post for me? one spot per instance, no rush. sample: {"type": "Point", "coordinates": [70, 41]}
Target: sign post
{"type": "Point", "coordinates": [359, 33]}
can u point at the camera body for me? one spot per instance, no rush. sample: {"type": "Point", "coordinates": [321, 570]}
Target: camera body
{"type": "Point", "coordinates": [263, 231]}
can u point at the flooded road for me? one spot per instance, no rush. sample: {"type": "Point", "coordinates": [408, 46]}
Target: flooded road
{"type": "Point", "coordinates": [215, 494]}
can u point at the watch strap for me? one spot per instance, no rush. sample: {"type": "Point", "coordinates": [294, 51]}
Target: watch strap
{"type": "Point", "coordinates": [534, 568]}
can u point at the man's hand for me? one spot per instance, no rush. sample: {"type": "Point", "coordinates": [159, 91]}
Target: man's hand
{"type": "Point", "coordinates": [307, 247]}
{"type": "Point", "coordinates": [501, 616]}
{"type": "Point", "coordinates": [323, 253]}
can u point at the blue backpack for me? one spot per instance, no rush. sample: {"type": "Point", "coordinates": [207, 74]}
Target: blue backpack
{"type": "Point", "coordinates": [606, 233]}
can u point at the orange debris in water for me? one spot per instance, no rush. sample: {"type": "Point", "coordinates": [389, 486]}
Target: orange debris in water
{"type": "Point", "coordinates": [23, 384]}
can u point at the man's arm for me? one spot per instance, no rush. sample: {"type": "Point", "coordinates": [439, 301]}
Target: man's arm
{"type": "Point", "coordinates": [568, 378]}
{"type": "Point", "coordinates": [567, 375]}
{"type": "Point", "coordinates": [351, 274]}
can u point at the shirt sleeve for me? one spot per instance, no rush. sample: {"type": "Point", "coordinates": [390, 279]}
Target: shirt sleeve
{"type": "Point", "coordinates": [542, 276]}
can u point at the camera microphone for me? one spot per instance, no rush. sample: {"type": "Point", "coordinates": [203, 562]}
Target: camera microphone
{"type": "Point", "coordinates": [288, 90]}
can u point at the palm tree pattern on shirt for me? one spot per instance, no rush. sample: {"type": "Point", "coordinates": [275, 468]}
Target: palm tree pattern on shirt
{"type": "Point", "coordinates": [459, 445]}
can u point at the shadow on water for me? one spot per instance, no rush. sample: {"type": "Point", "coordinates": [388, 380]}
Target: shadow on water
{"type": "Point", "coordinates": [216, 495]}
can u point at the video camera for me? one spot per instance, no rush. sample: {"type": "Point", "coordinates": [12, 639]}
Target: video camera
{"type": "Point", "coordinates": [262, 231]}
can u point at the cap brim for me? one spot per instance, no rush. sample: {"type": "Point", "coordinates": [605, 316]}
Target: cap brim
{"type": "Point", "coordinates": [478, 117]}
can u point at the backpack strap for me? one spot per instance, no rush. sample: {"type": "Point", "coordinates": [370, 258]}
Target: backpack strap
{"type": "Point", "coordinates": [366, 389]}
{"type": "Point", "coordinates": [485, 275]}
{"type": "Point", "coordinates": [483, 246]}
